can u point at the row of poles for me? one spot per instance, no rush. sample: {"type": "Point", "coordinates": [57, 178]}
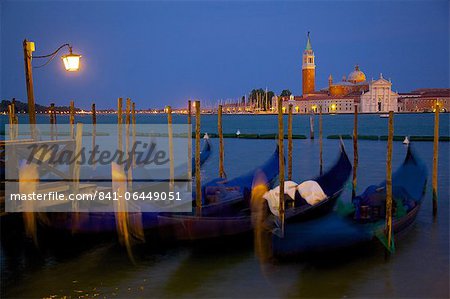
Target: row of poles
{"type": "Point", "coordinates": [130, 107]}
{"type": "Point", "coordinates": [290, 150]}
{"type": "Point", "coordinates": [389, 199]}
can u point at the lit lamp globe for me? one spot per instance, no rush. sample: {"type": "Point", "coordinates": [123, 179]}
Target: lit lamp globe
{"type": "Point", "coordinates": [71, 61]}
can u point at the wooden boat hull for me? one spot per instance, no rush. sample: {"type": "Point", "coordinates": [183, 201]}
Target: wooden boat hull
{"type": "Point", "coordinates": [196, 228]}
{"type": "Point", "coordinates": [95, 222]}
{"type": "Point", "coordinates": [224, 217]}
{"type": "Point", "coordinates": [336, 232]}
{"type": "Point", "coordinates": [104, 222]}
{"type": "Point", "coordinates": [237, 219]}
{"type": "Point", "coordinates": [333, 232]}
{"type": "Point", "coordinates": [323, 208]}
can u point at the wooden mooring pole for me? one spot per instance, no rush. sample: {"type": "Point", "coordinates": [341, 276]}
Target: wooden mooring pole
{"type": "Point", "coordinates": [133, 129]}
{"type": "Point", "coordinates": [311, 126]}
{"type": "Point", "coordinates": [171, 161]}
{"type": "Point", "coordinates": [72, 119]}
{"type": "Point", "coordinates": [128, 112]}
{"type": "Point", "coordinates": [28, 48]}
{"type": "Point", "coordinates": [13, 106]}
{"type": "Point", "coordinates": [281, 162]}
{"type": "Point", "coordinates": [355, 150]}
{"type": "Point", "coordinates": [94, 132]}
{"type": "Point", "coordinates": [290, 142]}
{"type": "Point", "coordinates": [198, 187]}
{"type": "Point", "coordinates": [320, 141]}
{"type": "Point", "coordinates": [388, 225]}
{"type": "Point", "coordinates": [94, 114]}
{"type": "Point", "coordinates": [128, 153]}
{"type": "Point", "coordinates": [77, 164]}
{"type": "Point", "coordinates": [189, 141]}
{"type": "Point", "coordinates": [52, 116]}
{"type": "Point", "coordinates": [119, 124]}
{"type": "Point", "coordinates": [435, 158]}
{"type": "Point", "coordinates": [221, 151]}
{"type": "Point", "coordinates": [133, 113]}
{"type": "Point", "coordinates": [12, 122]}
{"type": "Point", "coordinates": [11, 113]}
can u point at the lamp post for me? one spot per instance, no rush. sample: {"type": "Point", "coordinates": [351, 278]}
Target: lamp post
{"type": "Point", "coordinates": [71, 64]}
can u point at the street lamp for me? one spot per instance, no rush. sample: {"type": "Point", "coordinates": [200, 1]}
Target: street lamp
{"type": "Point", "coordinates": [71, 64]}
{"type": "Point", "coordinates": [71, 61]}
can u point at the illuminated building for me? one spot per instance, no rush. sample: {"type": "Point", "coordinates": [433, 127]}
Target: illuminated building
{"type": "Point", "coordinates": [374, 96]}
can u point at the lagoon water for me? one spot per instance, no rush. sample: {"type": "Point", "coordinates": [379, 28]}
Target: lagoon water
{"type": "Point", "coordinates": [99, 267]}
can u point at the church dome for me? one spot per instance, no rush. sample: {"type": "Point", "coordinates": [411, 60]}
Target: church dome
{"type": "Point", "coordinates": [356, 76]}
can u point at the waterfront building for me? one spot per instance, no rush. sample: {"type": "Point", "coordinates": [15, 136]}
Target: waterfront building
{"type": "Point", "coordinates": [379, 97]}
{"type": "Point", "coordinates": [374, 96]}
{"type": "Point", "coordinates": [424, 99]}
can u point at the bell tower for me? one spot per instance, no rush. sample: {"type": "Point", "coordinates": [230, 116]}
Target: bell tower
{"type": "Point", "coordinates": [308, 69]}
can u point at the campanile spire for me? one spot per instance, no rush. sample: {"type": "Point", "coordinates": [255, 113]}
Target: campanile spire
{"type": "Point", "coordinates": [308, 68]}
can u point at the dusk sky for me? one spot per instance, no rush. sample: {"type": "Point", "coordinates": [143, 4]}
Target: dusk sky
{"type": "Point", "coordinates": [165, 53]}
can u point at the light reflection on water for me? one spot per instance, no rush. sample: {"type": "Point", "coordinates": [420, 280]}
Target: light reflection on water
{"type": "Point", "coordinates": [99, 267]}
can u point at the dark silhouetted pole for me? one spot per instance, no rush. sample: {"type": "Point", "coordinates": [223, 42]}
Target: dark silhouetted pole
{"type": "Point", "coordinates": [320, 141]}
{"type": "Point", "coordinates": [290, 142]}
{"type": "Point", "coordinates": [355, 150]}
{"type": "Point", "coordinates": [388, 226]}
{"type": "Point", "coordinates": [198, 187]}
{"type": "Point", "coordinates": [94, 115]}
{"type": "Point", "coordinates": [72, 119]}
{"type": "Point", "coordinates": [189, 121]}
{"type": "Point", "coordinates": [221, 150]}
{"type": "Point", "coordinates": [171, 161]}
{"type": "Point", "coordinates": [281, 161]}
{"type": "Point", "coordinates": [28, 49]}
{"type": "Point", "coordinates": [119, 124]}
{"type": "Point", "coordinates": [435, 157]}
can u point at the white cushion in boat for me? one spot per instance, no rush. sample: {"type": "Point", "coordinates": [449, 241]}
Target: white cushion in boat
{"type": "Point", "coordinates": [311, 192]}
{"type": "Point", "coordinates": [273, 196]}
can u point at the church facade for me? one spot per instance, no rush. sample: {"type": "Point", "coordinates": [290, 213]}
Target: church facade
{"type": "Point", "coordinates": [374, 96]}
{"type": "Point", "coordinates": [379, 97]}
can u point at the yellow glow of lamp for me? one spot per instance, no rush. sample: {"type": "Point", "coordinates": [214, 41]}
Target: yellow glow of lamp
{"type": "Point", "coordinates": [71, 61]}
{"type": "Point", "coordinates": [333, 106]}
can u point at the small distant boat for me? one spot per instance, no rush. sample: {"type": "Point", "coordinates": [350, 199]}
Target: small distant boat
{"type": "Point", "coordinates": [238, 133]}
{"type": "Point", "coordinates": [364, 223]}
{"type": "Point", "coordinates": [384, 115]}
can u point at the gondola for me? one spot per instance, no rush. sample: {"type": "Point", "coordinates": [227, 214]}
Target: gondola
{"type": "Point", "coordinates": [332, 183]}
{"type": "Point", "coordinates": [234, 221]}
{"type": "Point", "coordinates": [365, 223]}
{"type": "Point", "coordinates": [220, 197]}
{"type": "Point", "coordinates": [105, 222]}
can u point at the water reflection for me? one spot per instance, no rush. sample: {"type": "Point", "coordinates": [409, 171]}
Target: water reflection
{"type": "Point", "coordinates": [72, 265]}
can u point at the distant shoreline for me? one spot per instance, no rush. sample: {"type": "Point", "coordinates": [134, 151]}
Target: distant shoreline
{"type": "Point", "coordinates": [214, 113]}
